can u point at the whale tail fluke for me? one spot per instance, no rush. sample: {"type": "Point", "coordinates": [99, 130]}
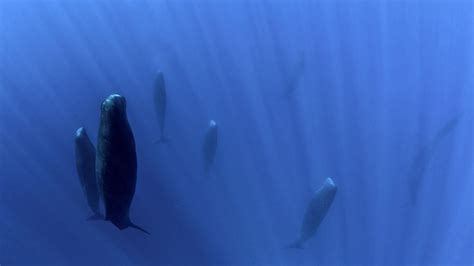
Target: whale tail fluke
{"type": "Point", "coordinates": [95, 217]}
{"type": "Point", "coordinates": [297, 245]}
{"type": "Point", "coordinates": [122, 225]}
{"type": "Point", "coordinates": [138, 228]}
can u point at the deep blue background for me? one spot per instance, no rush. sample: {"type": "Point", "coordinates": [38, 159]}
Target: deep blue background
{"type": "Point", "coordinates": [373, 83]}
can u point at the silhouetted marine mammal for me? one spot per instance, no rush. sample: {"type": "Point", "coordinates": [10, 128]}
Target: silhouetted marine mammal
{"type": "Point", "coordinates": [293, 80]}
{"type": "Point", "coordinates": [159, 98]}
{"type": "Point", "coordinates": [116, 162]}
{"type": "Point", "coordinates": [423, 158]}
{"type": "Point", "coordinates": [210, 145]}
{"type": "Point", "coordinates": [85, 165]}
{"type": "Point", "coordinates": [315, 212]}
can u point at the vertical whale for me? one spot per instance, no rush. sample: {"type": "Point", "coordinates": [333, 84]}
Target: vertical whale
{"type": "Point", "coordinates": [315, 212]}
{"type": "Point", "coordinates": [116, 162]}
{"type": "Point", "coordinates": [423, 158]}
{"type": "Point", "coordinates": [293, 80]}
{"type": "Point", "coordinates": [85, 165]}
{"type": "Point", "coordinates": [209, 147]}
{"type": "Point", "coordinates": [159, 99]}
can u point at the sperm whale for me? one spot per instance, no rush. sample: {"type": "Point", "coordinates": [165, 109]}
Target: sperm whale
{"type": "Point", "coordinates": [85, 165]}
{"type": "Point", "coordinates": [424, 157]}
{"type": "Point", "coordinates": [116, 162]}
{"type": "Point", "coordinates": [315, 212]}
{"type": "Point", "coordinates": [160, 101]}
{"type": "Point", "coordinates": [209, 147]}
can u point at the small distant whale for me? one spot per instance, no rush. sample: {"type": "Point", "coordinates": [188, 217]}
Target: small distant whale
{"type": "Point", "coordinates": [292, 81]}
{"type": "Point", "coordinates": [116, 162]}
{"type": "Point", "coordinates": [423, 158]}
{"type": "Point", "coordinates": [315, 212]}
{"type": "Point", "coordinates": [159, 98]}
{"type": "Point", "coordinates": [209, 147]}
{"type": "Point", "coordinates": [85, 165]}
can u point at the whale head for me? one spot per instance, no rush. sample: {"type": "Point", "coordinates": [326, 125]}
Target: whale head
{"type": "Point", "coordinates": [329, 184]}
{"type": "Point", "coordinates": [114, 105]}
{"type": "Point", "coordinates": [81, 132]}
{"type": "Point", "coordinates": [160, 85]}
{"type": "Point", "coordinates": [212, 123]}
{"type": "Point", "coordinates": [159, 74]}
{"type": "Point", "coordinates": [114, 101]}
{"type": "Point", "coordinates": [81, 135]}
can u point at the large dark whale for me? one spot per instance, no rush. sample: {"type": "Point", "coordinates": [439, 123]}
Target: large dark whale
{"type": "Point", "coordinates": [116, 162]}
{"type": "Point", "coordinates": [315, 212]}
{"type": "Point", "coordinates": [159, 99]}
{"type": "Point", "coordinates": [209, 146]}
{"type": "Point", "coordinates": [85, 165]}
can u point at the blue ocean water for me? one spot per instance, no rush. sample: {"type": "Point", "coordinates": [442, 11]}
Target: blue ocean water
{"type": "Point", "coordinates": [377, 95]}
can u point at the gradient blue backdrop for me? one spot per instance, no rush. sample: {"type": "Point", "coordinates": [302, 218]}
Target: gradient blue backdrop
{"type": "Point", "coordinates": [301, 90]}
